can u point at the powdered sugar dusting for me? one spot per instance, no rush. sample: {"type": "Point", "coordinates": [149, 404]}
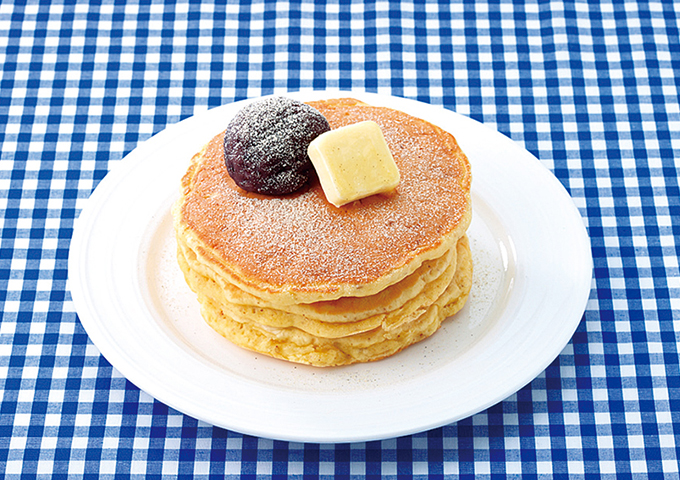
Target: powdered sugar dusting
{"type": "Point", "coordinates": [302, 240]}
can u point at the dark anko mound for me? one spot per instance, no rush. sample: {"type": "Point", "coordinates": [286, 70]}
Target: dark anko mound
{"type": "Point", "coordinates": [265, 145]}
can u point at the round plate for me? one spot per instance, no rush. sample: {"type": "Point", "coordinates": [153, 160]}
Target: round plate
{"type": "Point", "coordinates": [532, 279]}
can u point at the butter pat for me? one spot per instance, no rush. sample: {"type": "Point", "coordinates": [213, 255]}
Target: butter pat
{"type": "Point", "coordinates": [353, 162]}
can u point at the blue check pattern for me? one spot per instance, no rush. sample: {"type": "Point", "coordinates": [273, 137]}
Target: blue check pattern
{"type": "Point", "coordinates": [589, 87]}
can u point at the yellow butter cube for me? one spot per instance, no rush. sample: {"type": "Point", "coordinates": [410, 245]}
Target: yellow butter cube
{"type": "Point", "coordinates": [353, 162]}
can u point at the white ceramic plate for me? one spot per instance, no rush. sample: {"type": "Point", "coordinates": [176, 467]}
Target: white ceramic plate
{"type": "Point", "coordinates": [532, 280]}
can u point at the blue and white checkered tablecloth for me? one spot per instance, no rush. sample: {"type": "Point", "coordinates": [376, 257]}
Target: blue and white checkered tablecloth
{"type": "Point", "coordinates": [590, 87]}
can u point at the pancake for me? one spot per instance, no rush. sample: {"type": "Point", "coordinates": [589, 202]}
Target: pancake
{"type": "Point", "coordinates": [296, 278]}
{"type": "Point", "coordinates": [299, 248]}
{"type": "Point", "coordinates": [363, 313]}
{"type": "Point", "coordinates": [341, 310]}
{"type": "Point", "coordinates": [296, 345]}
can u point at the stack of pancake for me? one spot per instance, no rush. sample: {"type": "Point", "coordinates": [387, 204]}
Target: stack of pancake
{"type": "Point", "coordinates": [297, 278]}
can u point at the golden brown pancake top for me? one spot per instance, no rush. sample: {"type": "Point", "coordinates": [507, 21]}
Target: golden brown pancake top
{"type": "Point", "coordinates": [302, 242]}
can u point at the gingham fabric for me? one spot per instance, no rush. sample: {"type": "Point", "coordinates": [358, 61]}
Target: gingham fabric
{"type": "Point", "coordinates": [591, 88]}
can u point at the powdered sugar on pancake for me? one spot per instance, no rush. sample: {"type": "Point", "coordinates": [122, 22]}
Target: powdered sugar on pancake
{"type": "Point", "coordinates": [302, 242]}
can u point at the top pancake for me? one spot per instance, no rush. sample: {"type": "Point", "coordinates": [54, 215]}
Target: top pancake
{"type": "Point", "coordinates": [300, 248]}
